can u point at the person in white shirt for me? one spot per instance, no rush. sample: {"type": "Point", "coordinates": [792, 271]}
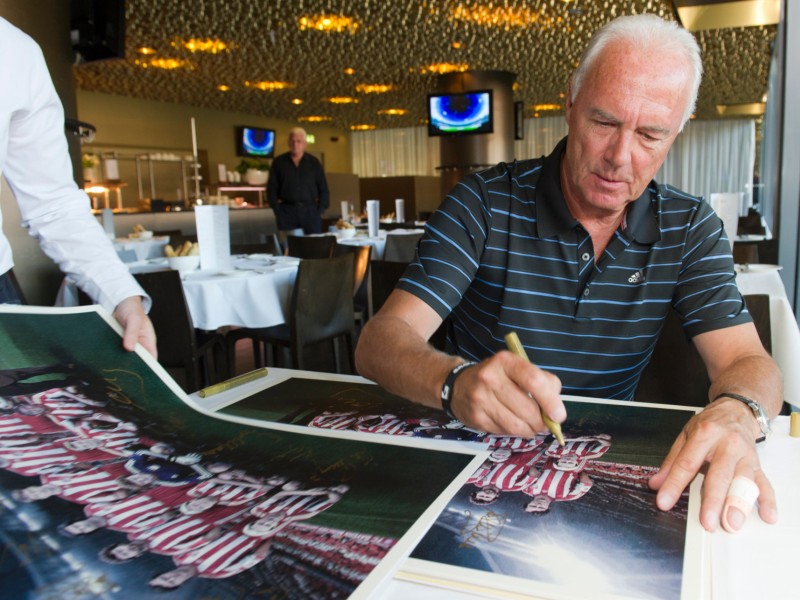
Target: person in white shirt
{"type": "Point", "coordinates": [55, 211]}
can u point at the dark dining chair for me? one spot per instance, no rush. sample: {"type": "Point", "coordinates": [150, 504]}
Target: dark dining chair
{"type": "Point", "coordinates": [400, 247]}
{"type": "Point", "coordinates": [267, 248]}
{"type": "Point", "coordinates": [384, 276]}
{"type": "Point", "coordinates": [676, 374]}
{"type": "Point", "coordinates": [321, 310]}
{"type": "Point", "coordinates": [311, 246]}
{"type": "Point", "coordinates": [362, 257]}
{"type": "Point", "coordinates": [199, 354]}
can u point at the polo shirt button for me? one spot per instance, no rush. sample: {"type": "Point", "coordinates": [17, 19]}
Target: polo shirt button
{"type": "Point", "coordinates": [586, 292]}
{"type": "Point", "coordinates": [585, 256]}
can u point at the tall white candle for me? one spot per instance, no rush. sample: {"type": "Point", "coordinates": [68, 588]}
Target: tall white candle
{"type": "Point", "coordinates": [194, 140]}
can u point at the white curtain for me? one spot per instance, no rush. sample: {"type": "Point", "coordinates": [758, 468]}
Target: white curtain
{"type": "Point", "coordinates": [707, 157]}
{"type": "Point", "coordinates": [541, 136]}
{"type": "Point", "coordinates": [712, 156]}
{"type": "Point", "coordinates": [394, 152]}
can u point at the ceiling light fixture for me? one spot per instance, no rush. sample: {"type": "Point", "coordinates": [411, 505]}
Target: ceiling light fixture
{"type": "Point", "coordinates": [506, 17]}
{"type": "Point", "coordinates": [349, 71]}
{"type": "Point", "coordinates": [374, 88]}
{"type": "Point", "coordinates": [328, 23]}
{"type": "Point", "coordinates": [167, 64]}
{"type": "Point", "coordinates": [541, 107]}
{"type": "Point", "coordinates": [208, 45]}
{"type": "Point", "coordinates": [342, 100]}
{"type": "Point", "coordinates": [224, 88]}
{"type": "Point", "coordinates": [441, 68]}
{"type": "Point", "coordinates": [393, 111]}
{"type": "Point", "coordinates": [314, 119]}
{"type": "Point", "coordinates": [145, 50]}
{"type": "Point", "coordinates": [297, 101]}
{"type": "Point", "coordinates": [269, 86]}
{"type": "Point", "coordinates": [362, 127]}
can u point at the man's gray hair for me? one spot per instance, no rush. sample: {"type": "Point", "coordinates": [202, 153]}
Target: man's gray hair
{"type": "Point", "coordinates": [299, 130]}
{"type": "Point", "coordinates": [644, 31]}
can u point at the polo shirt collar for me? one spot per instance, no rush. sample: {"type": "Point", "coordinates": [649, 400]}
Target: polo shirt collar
{"type": "Point", "coordinates": [553, 216]}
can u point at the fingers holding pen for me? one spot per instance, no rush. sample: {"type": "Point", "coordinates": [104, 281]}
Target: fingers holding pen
{"type": "Point", "coordinates": [493, 396]}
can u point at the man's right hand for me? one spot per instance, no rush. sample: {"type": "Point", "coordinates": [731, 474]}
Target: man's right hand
{"type": "Point", "coordinates": [507, 394]}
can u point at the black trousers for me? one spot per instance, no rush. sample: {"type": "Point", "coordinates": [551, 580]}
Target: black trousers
{"type": "Point", "coordinates": [292, 216]}
{"type": "Point", "coordinates": [8, 293]}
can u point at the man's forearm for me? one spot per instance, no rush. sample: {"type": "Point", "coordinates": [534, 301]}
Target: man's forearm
{"type": "Point", "coordinates": [754, 376]}
{"type": "Point", "coordinates": [395, 356]}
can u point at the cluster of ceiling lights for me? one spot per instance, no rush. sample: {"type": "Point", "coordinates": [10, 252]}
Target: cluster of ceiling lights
{"type": "Point", "coordinates": [334, 24]}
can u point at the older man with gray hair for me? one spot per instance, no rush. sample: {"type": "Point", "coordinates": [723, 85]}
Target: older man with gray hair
{"type": "Point", "coordinates": [297, 189]}
{"type": "Point", "coordinates": [583, 254]}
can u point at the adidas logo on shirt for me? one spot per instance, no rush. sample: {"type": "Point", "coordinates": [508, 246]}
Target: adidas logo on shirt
{"type": "Point", "coordinates": [637, 277]}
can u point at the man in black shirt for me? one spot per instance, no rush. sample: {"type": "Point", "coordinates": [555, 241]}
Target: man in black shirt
{"type": "Point", "coordinates": [297, 190]}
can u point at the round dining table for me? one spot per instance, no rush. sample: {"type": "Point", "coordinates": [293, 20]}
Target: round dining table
{"type": "Point", "coordinates": [253, 291]}
{"type": "Point", "coordinates": [378, 242]}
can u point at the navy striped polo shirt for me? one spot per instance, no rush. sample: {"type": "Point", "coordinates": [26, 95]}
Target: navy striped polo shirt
{"type": "Point", "coordinates": [504, 253]}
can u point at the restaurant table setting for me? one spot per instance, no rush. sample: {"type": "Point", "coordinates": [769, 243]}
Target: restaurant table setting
{"type": "Point", "coordinates": [254, 292]}
{"type": "Point", "coordinates": [143, 247]}
{"type": "Point", "coordinates": [765, 279]}
{"type": "Point", "coordinates": [378, 242]}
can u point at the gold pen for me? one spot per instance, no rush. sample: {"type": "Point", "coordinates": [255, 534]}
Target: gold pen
{"type": "Point", "coordinates": [513, 343]}
{"type": "Point", "coordinates": [233, 382]}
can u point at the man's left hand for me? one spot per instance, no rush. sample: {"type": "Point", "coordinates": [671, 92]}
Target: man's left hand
{"type": "Point", "coordinates": [136, 325]}
{"type": "Point", "coordinates": [721, 440]}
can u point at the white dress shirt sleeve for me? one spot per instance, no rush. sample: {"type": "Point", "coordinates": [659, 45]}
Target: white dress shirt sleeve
{"type": "Point", "coordinates": [35, 162]}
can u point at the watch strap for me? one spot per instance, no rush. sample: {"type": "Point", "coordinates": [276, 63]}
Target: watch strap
{"type": "Point", "coordinates": [447, 388]}
{"type": "Point", "coordinates": [758, 412]}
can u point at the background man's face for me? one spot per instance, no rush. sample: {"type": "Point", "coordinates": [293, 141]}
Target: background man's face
{"type": "Point", "coordinates": [297, 144]}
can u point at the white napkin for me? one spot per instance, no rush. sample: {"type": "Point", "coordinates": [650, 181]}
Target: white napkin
{"type": "Point", "coordinates": [373, 216]}
{"type": "Point", "coordinates": [399, 210]}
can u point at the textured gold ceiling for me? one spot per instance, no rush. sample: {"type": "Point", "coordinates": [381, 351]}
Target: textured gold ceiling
{"type": "Point", "coordinates": [387, 42]}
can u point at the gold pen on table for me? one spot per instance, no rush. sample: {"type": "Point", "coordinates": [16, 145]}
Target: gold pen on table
{"type": "Point", "coordinates": [513, 343]}
{"type": "Point", "coordinates": [233, 382]}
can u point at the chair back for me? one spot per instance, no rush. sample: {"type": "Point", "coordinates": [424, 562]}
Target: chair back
{"type": "Point", "coordinates": [676, 374]}
{"type": "Point", "coordinates": [384, 276]}
{"type": "Point", "coordinates": [362, 256]}
{"type": "Point", "coordinates": [400, 247]}
{"type": "Point", "coordinates": [273, 241]}
{"type": "Point", "coordinates": [253, 249]}
{"type": "Point", "coordinates": [175, 334]}
{"type": "Point", "coordinates": [322, 300]}
{"type": "Point", "coordinates": [306, 246]}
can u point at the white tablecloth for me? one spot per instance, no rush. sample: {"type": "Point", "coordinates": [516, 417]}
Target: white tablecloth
{"type": "Point", "coordinates": [144, 249]}
{"type": "Point", "coordinates": [253, 293]}
{"type": "Point", "coordinates": [765, 279]}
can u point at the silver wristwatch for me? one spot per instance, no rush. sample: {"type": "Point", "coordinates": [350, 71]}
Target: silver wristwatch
{"type": "Point", "coordinates": [758, 412]}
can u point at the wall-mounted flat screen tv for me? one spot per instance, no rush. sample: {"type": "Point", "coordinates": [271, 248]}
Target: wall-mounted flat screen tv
{"type": "Point", "coordinates": [255, 142]}
{"type": "Point", "coordinates": [461, 113]}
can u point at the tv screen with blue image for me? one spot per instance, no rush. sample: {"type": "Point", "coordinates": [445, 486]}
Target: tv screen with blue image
{"type": "Point", "coordinates": [255, 142]}
{"type": "Point", "coordinates": [460, 113]}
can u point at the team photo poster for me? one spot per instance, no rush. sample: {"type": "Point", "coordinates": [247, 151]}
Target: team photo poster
{"type": "Point", "coordinates": [535, 519]}
{"type": "Point", "coordinates": [113, 485]}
